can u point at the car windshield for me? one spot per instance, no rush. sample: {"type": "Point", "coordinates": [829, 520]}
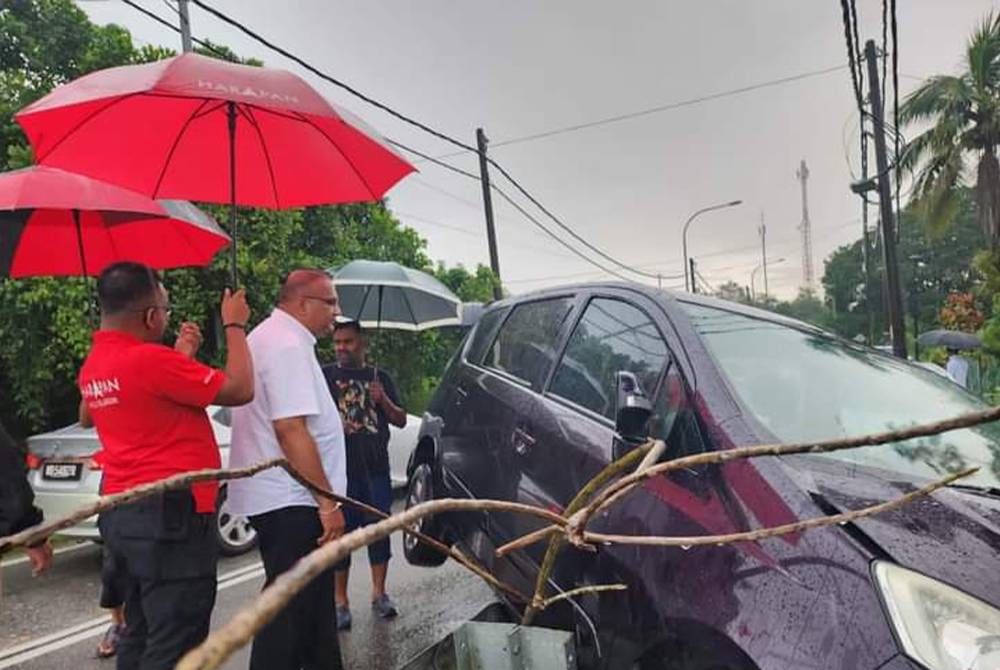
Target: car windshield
{"type": "Point", "coordinates": [806, 386]}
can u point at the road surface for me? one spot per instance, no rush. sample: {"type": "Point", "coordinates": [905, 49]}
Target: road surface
{"type": "Point", "coordinates": [53, 622]}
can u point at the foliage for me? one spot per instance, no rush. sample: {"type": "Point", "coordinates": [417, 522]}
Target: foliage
{"type": "Point", "coordinates": [964, 116]}
{"type": "Point", "coordinates": [733, 292]}
{"type": "Point", "coordinates": [45, 330]}
{"type": "Point", "coordinates": [932, 264]}
{"type": "Point", "coordinates": [960, 313]}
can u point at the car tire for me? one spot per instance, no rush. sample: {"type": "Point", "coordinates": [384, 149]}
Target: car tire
{"type": "Point", "coordinates": [421, 490]}
{"type": "Point", "coordinates": [236, 535]}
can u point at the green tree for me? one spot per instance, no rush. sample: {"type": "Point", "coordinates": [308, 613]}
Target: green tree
{"type": "Point", "coordinates": [46, 324]}
{"type": "Point", "coordinates": [964, 116]}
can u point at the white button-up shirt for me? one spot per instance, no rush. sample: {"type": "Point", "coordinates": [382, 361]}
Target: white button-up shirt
{"type": "Point", "coordinates": [288, 382]}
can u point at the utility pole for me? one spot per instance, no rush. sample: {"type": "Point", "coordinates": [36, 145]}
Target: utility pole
{"type": "Point", "coordinates": [182, 11]}
{"type": "Point", "coordinates": [897, 327]}
{"type": "Point", "coordinates": [806, 227]}
{"type": "Point", "coordinates": [694, 281]}
{"type": "Point", "coordinates": [491, 234]}
{"type": "Point", "coordinates": [763, 248]}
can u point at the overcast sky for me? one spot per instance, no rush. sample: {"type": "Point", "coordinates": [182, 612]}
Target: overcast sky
{"type": "Point", "coordinates": [522, 68]}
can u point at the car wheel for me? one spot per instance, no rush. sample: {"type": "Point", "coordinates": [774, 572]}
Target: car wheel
{"type": "Point", "coordinates": [421, 490]}
{"type": "Point", "coordinates": [236, 535]}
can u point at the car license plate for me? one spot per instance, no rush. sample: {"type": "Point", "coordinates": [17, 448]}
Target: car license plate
{"type": "Point", "coordinates": [62, 471]}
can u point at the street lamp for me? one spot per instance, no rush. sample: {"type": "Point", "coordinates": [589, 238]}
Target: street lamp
{"type": "Point", "coordinates": [753, 275]}
{"type": "Point", "coordinates": [684, 238]}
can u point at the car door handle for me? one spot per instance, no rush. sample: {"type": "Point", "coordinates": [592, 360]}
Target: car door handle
{"type": "Point", "coordinates": [522, 441]}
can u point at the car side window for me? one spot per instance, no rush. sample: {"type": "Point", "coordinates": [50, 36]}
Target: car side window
{"type": "Point", "coordinates": [611, 336]}
{"type": "Point", "coordinates": [525, 345]}
{"type": "Point", "coordinates": [482, 337]}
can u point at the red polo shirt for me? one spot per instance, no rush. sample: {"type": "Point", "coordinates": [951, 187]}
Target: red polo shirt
{"type": "Point", "coordinates": [148, 404]}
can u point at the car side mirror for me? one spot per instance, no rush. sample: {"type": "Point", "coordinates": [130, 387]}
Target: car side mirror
{"type": "Point", "coordinates": [632, 411]}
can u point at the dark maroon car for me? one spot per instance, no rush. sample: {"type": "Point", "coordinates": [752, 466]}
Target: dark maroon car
{"type": "Point", "coordinates": [541, 396]}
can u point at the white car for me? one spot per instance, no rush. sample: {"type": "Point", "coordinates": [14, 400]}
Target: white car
{"type": "Point", "coordinates": [63, 480]}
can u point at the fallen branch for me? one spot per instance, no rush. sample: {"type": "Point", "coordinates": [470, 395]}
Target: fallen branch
{"type": "Point", "coordinates": [453, 553]}
{"type": "Point", "coordinates": [42, 531]}
{"type": "Point", "coordinates": [583, 590]}
{"type": "Point", "coordinates": [774, 531]}
{"type": "Point", "coordinates": [580, 519]}
{"type": "Point", "coordinates": [214, 651]}
{"type": "Point", "coordinates": [220, 645]}
{"type": "Point", "coordinates": [556, 543]}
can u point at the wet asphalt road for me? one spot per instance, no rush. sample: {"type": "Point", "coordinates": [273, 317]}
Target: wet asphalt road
{"type": "Point", "coordinates": [53, 622]}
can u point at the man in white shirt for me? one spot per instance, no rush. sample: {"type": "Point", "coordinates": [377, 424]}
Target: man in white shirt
{"type": "Point", "coordinates": [294, 416]}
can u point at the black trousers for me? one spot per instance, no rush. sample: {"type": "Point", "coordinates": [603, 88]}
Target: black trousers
{"type": "Point", "coordinates": [165, 555]}
{"type": "Point", "coordinates": [303, 636]}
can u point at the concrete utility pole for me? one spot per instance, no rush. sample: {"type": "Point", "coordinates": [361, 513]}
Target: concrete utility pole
{"type": "Point", "coordinates": [763, 249]}
{"type": "Point", "coordinates": [894, 302]}
{"type": "Point", "coordinates": [491, 234]}
{"type": "Point", "coordinates": [806, 227]}
{"type": "Point", "coordinates": [182, 11]}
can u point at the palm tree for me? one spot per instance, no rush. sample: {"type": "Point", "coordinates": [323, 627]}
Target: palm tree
{"type": "Point", "coordinates": [964, 116]}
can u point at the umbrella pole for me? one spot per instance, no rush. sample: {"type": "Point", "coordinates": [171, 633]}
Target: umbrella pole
{"type": "Point", "coordinates": [91, 309]}
{"type": "Point", "coordinates": [79, 243]}
{"type": "Point", "coordinates": [378, 328]}
{"type": "Point", "coordinates": [231, 108]}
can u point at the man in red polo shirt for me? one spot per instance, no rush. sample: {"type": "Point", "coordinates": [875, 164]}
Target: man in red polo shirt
{"type": "Point", "coordinates": [148, 402]}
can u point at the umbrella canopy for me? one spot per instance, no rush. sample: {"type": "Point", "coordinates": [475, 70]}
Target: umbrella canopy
{"type": "Point", "coordinates": [388, 295]}
{"type": "Point", "coordinates": [57, 223]}
{"type": "Point", "coordinates": [203, 129]}
{"type": "Point", "coordinates": [952, 339]}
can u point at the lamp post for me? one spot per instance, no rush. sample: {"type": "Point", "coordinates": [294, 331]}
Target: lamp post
{"type": "Point", "coordinates": [753, 275]}
{"type": "Point", "coordinates": [688, 280]}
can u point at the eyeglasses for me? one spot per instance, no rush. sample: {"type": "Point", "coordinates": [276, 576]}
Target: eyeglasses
{"type": "Point", "coordinates": [330, 302]}
{"type": "Point", "coordinates": [167, 309]}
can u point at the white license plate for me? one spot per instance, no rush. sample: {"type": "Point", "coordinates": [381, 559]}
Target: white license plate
{"type": "Point", "coordinates": [62, 471]}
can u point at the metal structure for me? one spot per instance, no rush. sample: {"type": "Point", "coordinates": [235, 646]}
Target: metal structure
{"type": "Point", "coordinates": [808, 276]}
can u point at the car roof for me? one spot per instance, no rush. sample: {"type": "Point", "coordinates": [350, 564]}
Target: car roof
{"type": "Point", "coordinates": [663, 296]}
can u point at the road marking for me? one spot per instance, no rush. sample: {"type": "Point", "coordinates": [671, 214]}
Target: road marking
{"type": "Point", "coordinates": [61, 550]}
{"type": "Point", "coordinates": [40, 646]}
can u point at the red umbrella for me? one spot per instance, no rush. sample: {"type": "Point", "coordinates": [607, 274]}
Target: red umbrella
{"type": "Point", "coordinates": [203, 129]}
{"type": "Point", "coordinates": [57, 223]}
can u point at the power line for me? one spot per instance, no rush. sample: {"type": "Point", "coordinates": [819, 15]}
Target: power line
{"type": "Point", "coordinates": [325, 77]}
{"type": "Point", "coordinates": [856, 72]}
{"type": "Point", "coordinates": [572, 233]}
{"type": "Point", "coordinates": [655, 110]}
{"type": "Point", "coordinates": [534, 201]}
{"type": "Point", "coordinates": [208, 46]}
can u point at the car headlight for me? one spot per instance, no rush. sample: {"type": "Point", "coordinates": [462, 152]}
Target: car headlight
{"type": "Point", "coordinates": [938, 625]}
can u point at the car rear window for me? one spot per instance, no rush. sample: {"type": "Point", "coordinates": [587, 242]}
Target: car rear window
{"type": "Point", "coordinates": [611, 336]}
{"type": "Point", "coordinates": [525, 346]}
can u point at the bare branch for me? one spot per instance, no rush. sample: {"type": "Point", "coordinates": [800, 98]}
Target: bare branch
{"type": "Point", "coordinates": [453, 553]}
{"type": "Point", "coordinates": [580, 519]}
{"type": "Point", "coordinates": [556, 543]}
{"type": "Point", "coordinates": [527, 540]}
{"type": "Point", "coordinates": [763, 533]}
{"type": "Point", "coordinates": [214, 651]}
{"type": "Point", "coordinates": [38, 533]}
{"type": "Point", "coordinates": [583, 590]}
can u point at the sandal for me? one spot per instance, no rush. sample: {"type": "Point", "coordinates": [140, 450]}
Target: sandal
{"type": "Point", "coordinates": [108, 646]}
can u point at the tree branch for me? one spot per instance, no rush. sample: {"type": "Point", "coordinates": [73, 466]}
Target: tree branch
{"type": "Point", "coordinates": [763, 533]}
{"type": "Point", "coordinates": [214, 651]}
{"type": "Point", "coordinates": [42, 531]}
{"type": "Point", "coordinates": [580, 519]}
{"type": "Point", "coordinates": [583, 590]}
